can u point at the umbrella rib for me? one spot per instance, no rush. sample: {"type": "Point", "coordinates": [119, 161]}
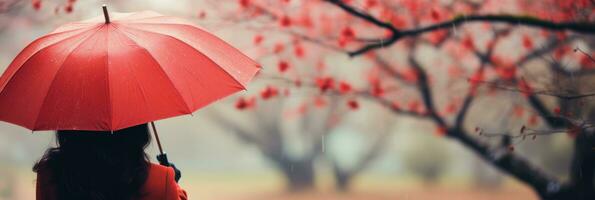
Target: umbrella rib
{"type": "Point", "coordinates": [109, 89]}
{"type": "Point", "coordinates": [142, 91]}
{"type": "Point", "coordinates": [74, 29]}
{"type": "Point", "coordinates": [191, 26]}
{"type": "Point", "coordinates": [57, 72]}
{"type": "Point", "coordinates": [37, 52]}
{"type": "Point", "coordinates": [159, 67]}
{"type": "Point", "coordinates": [197, 51]}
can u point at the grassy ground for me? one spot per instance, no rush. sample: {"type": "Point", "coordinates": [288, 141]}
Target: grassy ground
{"type": "Point", "coordinates": [413, 194]}
{"type": "Point", "coordinates": [225, 186]}
{"type": "Point", "coordinates": [270, 187]}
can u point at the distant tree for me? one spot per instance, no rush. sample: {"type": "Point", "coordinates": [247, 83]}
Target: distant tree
{"type": "Point", "coordinates": [440, 61]}
{"type": "Point", "coordinates": [434, 60]}
{"type": "Point", "coordinates": [267, 130]}
{"type": "Point", "coordinates": [427, 163]}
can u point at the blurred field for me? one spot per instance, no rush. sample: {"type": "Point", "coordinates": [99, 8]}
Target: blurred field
{"type": "Point", "coordinates": [267, 186]}
{"type": "Point", "coordinates": [250, 187]}
{"type": "Point", "coordinates": [220, 163]}
{"type": "Point", "coordinates": [419, 193]}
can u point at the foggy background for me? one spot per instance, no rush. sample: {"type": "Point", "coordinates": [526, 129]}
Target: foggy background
{"type": "Point", "coordinates": [411, 162]}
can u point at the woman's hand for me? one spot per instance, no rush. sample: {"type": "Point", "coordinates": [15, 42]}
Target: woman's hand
{"type": "Point", "coordinates": [162, 158]}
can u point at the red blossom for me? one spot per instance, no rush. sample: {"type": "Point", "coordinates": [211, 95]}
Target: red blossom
{"type": "Point", "coordinates": [377, 89]}
{"type": "Point", "coordinates": [436, 37]}
{"type": "Point", "coordinates": [370, 3]}
{"type": "Point", "coordinates": [506, 72]}
{"type": "Point", "coordinates": [305, 20]}
{"type": "Point", "coordinates": [36, 4]}
{"type": "Point", "coordinates": [68, 8]}
{"type": "Point", "coordinates": [269, 92]}
{"type": "Point", "coordinates": [285, 21]}
{"type": "Point", "coordinates": [244, 3]}
{"type": "Point", "coordinates": [325, 83]}
{"type": "Point", "coordinates": [409, 75]}
{"type": "Point", "coordinates": [258, 39]}
{"type": "Point", "coordinates": [396, 20]}
{"type": "Point", "coordinates": [299, 51]}
{"type": "Point", "coordinates": [347, 36]}
{"type": "Point", "coordinates": [348, 32]}
{"type": "Point", "coordinates": [344, 87]}
{"type": "Point", "coordinates": [468, 42]}
{"type": "Point", "coordinates": [279, 47]}
{"type": "Point", "coordinates": [557, 110]}
{"type": "Point", "coordinates": [202, 14]}
{"type": "Point", "coordinates": [412, 5]}
{"type": "Point", "coordinates": [283, 66]}
{"type": "Point", "coordinates": [245, 103]}
{"type": "Point", "coordinates": [527, 42]}
{"type": "Point", "coordinates": [435, 14]}
{"type": "Point", "coordinates": [353, 104]}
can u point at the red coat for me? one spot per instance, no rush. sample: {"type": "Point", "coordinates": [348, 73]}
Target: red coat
{"type": "Point", "coordinates": [160, 185]}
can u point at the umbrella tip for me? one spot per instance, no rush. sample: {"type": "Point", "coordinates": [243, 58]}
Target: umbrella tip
{"type": "Point", "coordinates": [105, 14]}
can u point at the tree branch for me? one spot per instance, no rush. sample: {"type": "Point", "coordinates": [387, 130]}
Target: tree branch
{"type": "Point", "coordinates": [505, 160]}
{"type": "Point", "coordinates": [424, 89]}
{"type": "Point", "coordinates": [579, 27]}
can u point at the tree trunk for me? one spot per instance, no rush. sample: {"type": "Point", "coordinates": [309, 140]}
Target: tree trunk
{"type": "Point", "coordinates": [342, 180]}
{"type": "Point", "coordinates": [299, 174]}
{"type": "Point", "coordinates": [583, 167]}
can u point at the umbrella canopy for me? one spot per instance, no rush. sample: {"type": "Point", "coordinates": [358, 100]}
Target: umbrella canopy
{"type": "Point", "coordinates": [109, 74]}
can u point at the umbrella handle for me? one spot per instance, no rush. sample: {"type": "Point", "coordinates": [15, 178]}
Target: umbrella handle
{"type": "Point", "coordinates": [105, 14]}
{"type": "Point", "coordinates": [163, 156]}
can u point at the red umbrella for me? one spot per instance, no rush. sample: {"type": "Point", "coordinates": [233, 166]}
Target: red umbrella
{"type": "Point", "coordinates": [109, 74]}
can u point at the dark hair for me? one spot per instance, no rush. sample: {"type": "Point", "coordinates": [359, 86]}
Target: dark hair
{"type": "Point", "coordinates": [97, 165]}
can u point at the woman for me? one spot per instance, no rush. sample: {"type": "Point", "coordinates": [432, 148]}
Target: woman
{"type": "Point", "coordinates": [99, 165]}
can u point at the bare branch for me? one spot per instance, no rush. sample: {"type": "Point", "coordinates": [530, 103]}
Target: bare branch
{"type": "Point", "coordinates": [580, 27]}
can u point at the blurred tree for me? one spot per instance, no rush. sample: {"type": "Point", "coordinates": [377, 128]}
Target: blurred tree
{"type": "Point", "coordinates": [524, 47]}
{"type": "Point", "coordinates": [427, 163]}
{"type": "Point", "coordinates": [436, 60]}
{"type": "Point", "coordinates": [272, 142]}
{"type": "Point", "coordinates": [295, 154]}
